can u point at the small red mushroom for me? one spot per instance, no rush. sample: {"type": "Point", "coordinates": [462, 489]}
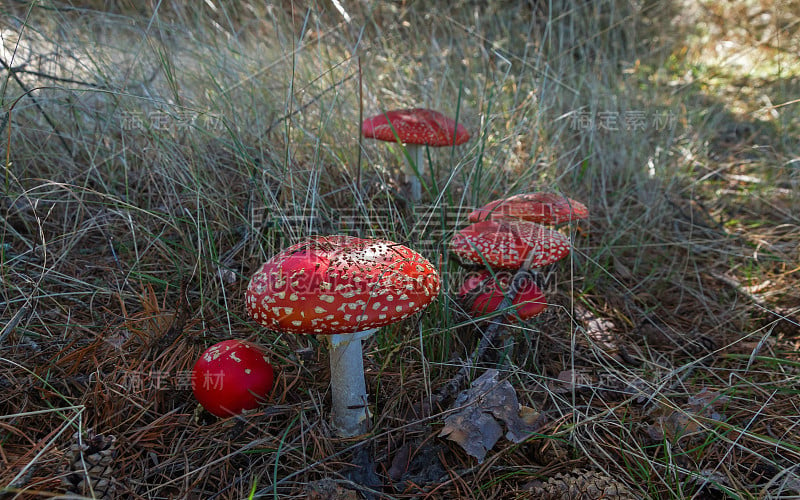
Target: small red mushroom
{"type": "Point", "coordinates": [543, 208]}
{"type": "Point", "coordinates": [345, 288]}
{"type": "Point", "coordinates": [508, 244]}
{"type": "Point", "coordinates": [415, 128]}
{"type": "Point", "coordinates": [483, 292]}
{"type": "Point", "coordinates": [232, 376]}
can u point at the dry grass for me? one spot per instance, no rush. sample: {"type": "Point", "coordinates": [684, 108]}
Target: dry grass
{"type": "Point", "coordinates": [156, 158]}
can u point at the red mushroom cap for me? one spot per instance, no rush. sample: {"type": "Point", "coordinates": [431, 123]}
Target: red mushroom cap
{"type": "Point", "coordinates": [340, 284]}
{"type": "Point", "coordinates": [232, 376]}
{"type": "Point", "coordinates": [483, 294]}
{"type": "Point", "coordinates": [544, 208]}
{"type": "Point", "coordinates": [415, 126]}
{"type": "Point", "coordinates": [507, 243]}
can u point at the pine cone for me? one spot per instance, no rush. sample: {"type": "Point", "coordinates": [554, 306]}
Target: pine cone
{"type": "Point", "coordinates": [90, 471]}
{"type": "Point", "coordinates": [580, 484]}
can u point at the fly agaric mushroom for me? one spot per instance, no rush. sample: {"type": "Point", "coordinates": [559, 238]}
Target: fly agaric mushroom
{"type": "Point", "coordinates": [345, 288]}
{"type": "Point", "coordinates": [232, 376]}
{"type": "Point", "coordinates": [543, 208]}
{"type": "Point", "coordinates": [483, 292]}
{"type": "Point", "coordinates": [508, 244]}
{"type": "Point", "coordinates": [415, 128]}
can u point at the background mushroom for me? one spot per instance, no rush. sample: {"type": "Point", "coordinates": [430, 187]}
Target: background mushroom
{"type": "Point", "coordinates": [415, 128]}
{"type": "Point", "coordinates": [543, 208]}
{"type": "Point", "coordinates": [345, 288]}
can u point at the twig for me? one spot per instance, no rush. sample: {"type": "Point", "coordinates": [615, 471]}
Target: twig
{"type": "Point", "coordinates": [48, 76]}
{"type": "Point", "coordinates": [489, 335]}
{"type": "Point", "coordinates": [15, 320]}
{"type": "Point", "coordinates": [29, 93]}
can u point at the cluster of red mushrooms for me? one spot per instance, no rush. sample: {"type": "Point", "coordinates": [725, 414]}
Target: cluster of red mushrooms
{"type": "Point", "coordinates": [344, 288]}
{"type": "Point", "coordinates": [510, 234]}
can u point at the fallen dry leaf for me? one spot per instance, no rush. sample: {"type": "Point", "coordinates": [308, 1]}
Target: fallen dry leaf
{"type": "Point", "coordinates": [474, 430]}
{"type": "Point", "coordinates": [687, 423]}
{"type": "Point", "coordinates": [476, 426]}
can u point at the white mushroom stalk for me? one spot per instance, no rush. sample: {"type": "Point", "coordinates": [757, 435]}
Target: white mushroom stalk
{"type": "Point", "coordinates": [350, 415]}
{"type": "Point", "coordinates": [417, 155]}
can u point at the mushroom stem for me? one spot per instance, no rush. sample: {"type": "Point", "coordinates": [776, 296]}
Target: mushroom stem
{"type": "Point", "coordinates": [487, 339]}
{"type": "Point", "coordinates": [350, 416]}
{"type": "Point", "coordinates": [415, 160]}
